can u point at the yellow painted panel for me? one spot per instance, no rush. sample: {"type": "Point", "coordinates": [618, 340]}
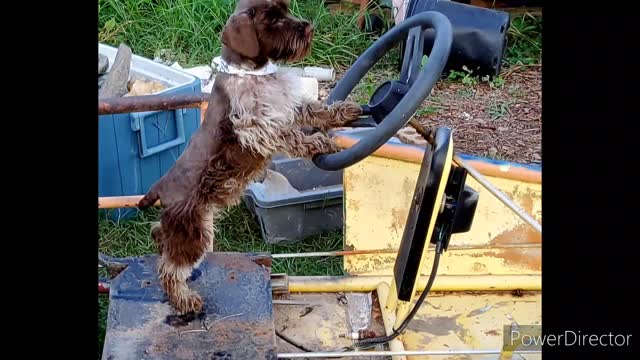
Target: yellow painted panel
{"type": "Point", "coordinates": [464, 321]}
{"type": "Point", "coordinates": [377, 193]}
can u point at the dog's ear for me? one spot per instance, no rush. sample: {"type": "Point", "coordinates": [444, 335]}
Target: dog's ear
{"type": "Point", "coordinates": [239, 34]}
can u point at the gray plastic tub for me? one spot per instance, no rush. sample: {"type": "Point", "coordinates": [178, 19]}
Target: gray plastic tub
{"type": "Point", "coordinates": [296, 200]}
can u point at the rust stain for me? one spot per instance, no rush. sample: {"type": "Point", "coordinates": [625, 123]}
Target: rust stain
{"type": "Point", "coordinates": [521, 234]}
{"type": "Point", "coordinates": [354, 175]}
{"type": "Point", "coordinates": [477, 255]}
{"type": "Point", "coordinates": [479, 267]}
{"type": "Point", "coordinates": [263, 260]}
{"type": "Point", "coordinates": [526, 258]}
{"type": "Point", "coordinates": [366, 263]}
{"type": "Point", "coordinates": [354, 204]}
{"type": "Point", "coordinates": [526, 202]}
{"type": "Point", "coordinates": [492, 332]}
{"type": "Point", "coordinates": [376, 311]}
{"type": "Point", "coordinates": [408, 187]}
{"type": "Point", "coordinates": [526, 198]}
{"type": "Point", "coordinates": [398, 219]}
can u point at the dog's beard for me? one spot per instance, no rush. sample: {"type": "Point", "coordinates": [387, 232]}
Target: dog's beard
{"type": "Point", "coordinates": [294, 47]}
{"type": "Point", "coordinates": [303, 48]}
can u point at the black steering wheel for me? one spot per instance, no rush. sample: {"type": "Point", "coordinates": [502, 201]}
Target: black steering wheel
{"type": "Point", "coordinates": [394, 102]}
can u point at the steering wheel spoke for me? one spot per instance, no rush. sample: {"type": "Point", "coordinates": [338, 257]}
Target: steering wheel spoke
{"type": "Point", "coordinates": [394, 102]}
{"type": "Point", "coordinates": [412, 59]}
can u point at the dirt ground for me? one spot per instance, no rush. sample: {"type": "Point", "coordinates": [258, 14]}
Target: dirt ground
{"type": "Point", "coordinates": [499, 120]}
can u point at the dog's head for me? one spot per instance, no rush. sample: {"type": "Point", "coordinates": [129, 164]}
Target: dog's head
{"type": "Point", "coordinates": [262, 30]}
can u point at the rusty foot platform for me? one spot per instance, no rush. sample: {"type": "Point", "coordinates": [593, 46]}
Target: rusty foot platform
{"type": "Point", "coordinates": [236, 321]}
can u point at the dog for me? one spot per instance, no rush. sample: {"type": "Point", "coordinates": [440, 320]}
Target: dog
{"type": "Point", "coordinates": [253, 113]}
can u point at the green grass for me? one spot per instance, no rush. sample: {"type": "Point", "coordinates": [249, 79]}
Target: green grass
{"type": "Point", "coordinates": [236, 231]}
{"type": "Point", "coordinates": [497, 109]}
{"type": "Point", "coordinates": [190, 29]}
{"type": "Point", "coordinates": [525, 40]}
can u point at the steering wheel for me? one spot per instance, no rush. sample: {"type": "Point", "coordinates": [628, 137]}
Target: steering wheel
{"type": "Point", "coordinates": [394, 102]}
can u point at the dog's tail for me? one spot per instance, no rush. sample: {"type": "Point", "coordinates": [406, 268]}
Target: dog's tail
{"type": "Point", "coordinates": [148, 200]}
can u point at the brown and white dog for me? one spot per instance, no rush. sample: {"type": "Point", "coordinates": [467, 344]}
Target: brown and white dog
{"type": "Point", "coordinates": [252, 115]}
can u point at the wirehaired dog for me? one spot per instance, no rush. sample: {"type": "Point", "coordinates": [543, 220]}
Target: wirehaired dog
{"type": "Point", "coordinates": [253, 113]}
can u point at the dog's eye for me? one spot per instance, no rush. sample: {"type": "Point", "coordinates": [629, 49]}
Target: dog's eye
{"type": "Point", "coordinates": [251, 12]}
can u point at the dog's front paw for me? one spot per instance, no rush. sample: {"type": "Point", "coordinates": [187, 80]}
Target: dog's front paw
{"type": "Point", "coordinates": [348, 111]}
{"type": "Point", "coordinates": [332, 147]}
{"type": "Point", "coordinates": [324, 144]}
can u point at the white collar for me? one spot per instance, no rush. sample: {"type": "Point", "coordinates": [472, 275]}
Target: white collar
{"type": "Point", "coordinates": [225, 67]}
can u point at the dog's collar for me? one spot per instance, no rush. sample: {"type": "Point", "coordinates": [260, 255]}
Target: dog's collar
{"type": "Point", "coordinates": [227, 68]}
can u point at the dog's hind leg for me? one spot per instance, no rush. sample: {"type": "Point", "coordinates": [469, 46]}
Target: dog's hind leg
{"type": "Point", "coordinates": [208, 223]}
{"type": "Point", "coordinates": [173, 277]}
{"type": "Point", "coordinates": [185, 237]}
{"type": "Point", "coordinates": [156, 235]}
{"type": "Point", "coordinates": [324, 117]}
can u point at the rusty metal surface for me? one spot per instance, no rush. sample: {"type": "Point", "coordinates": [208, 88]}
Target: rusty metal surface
{"type": "Point", "coordinates": [236, 323]}
{"type": "Point", "coordinates": [322, 322]}
{"type": "Point", "coordinates": [150, 103]}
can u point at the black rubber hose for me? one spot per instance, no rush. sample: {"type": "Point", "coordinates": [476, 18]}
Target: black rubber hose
{"type": "Point", "coordinates": [411, 101]}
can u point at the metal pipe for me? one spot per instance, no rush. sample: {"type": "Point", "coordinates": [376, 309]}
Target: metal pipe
{"type": "Point", "coordinates": [498, 194]}
{"type": "Point", "coordinates": [279, 285]}
{"type": "Point", "coordinates": [157, 102]}
{"type": "Point", "coordinates": [394, 251]}
{"type": "Point", "coordinates": [293, 302]}
{"type": "Point", "coordinates": [366, 283]}
{"type": "Point", "coordinates": [333, 354]}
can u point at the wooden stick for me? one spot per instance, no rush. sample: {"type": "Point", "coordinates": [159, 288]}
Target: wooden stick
{"type": "Point", "coordinates": [117, 202]}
